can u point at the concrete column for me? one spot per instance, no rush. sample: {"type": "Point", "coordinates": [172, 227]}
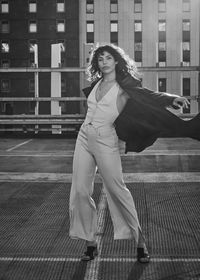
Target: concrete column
{"type": "Point", "coordinates": [55, 84]}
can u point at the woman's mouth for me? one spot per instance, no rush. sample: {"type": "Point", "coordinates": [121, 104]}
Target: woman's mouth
{"type": "Point", "coordinates": [105, 67]}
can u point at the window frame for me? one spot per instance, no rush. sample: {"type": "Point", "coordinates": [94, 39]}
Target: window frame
{"type": "Point", "coordinates": [8, 88]}
{"type": "Point", "coordinates": [34, 3]}
{"type": "Point", "coordinates": [137, 6]}
{"type": "Point", "coordinates": [62, 10]}
{"type": "Point", "coordinates": [5, 41]}
{"type": "Point", "coordinates": [35, 24]}
{"type": "Point", "coordinates": [7, 24]}
{"type": "Point", "coordinates": [6, 4]}
{"type": "Point", "coordinates": [60, 21]}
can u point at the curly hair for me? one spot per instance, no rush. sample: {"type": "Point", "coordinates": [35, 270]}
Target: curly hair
{"type": "Point", "coordinates": [125, 64]}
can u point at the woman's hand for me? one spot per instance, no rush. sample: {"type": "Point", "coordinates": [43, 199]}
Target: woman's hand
{"type": "Point", "coordinates": [181, 102]}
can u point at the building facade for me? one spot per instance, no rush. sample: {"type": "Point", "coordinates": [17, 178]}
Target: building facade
{"type": "Point", "coordinates": [25, 24]}
{"type": "Point", "coordinates": [162, 36]}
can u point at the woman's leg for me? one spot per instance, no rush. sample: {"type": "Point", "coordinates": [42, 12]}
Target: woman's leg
{"type": "Point", "coordinates": [83, 216]}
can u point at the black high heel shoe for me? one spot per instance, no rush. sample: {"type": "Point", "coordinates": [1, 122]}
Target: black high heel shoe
{"type": "Point", "coordinates": [142, 256]}
{"type": "Point", "coordinates": [90, 254]}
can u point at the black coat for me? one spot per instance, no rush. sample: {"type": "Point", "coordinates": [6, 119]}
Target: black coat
{"type": "Point", "coordinates": [145, 117]}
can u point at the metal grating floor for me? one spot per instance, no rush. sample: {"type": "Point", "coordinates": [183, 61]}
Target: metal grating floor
{"type": "Point", "coordinates": [34, 242]}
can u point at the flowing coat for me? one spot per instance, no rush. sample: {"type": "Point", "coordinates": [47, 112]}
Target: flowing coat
{"type": "Point", "coordinates": [145, 116]}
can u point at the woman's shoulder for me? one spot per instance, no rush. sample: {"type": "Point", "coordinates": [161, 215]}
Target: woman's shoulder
{"type": "Point", "coordinates": [128, 81]}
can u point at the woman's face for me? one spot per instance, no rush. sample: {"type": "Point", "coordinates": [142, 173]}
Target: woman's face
{"type": "Point", "coordinates": [106, 63]}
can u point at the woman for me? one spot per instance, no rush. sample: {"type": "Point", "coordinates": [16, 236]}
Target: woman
{"type": "Point", "coordinates": [113, 99]}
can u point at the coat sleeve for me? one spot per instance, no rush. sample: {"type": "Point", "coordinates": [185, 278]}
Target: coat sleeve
{"type": "Point", "coordinates": [161, 98]}
{"type": "Point", "coordinates": [142, 94]}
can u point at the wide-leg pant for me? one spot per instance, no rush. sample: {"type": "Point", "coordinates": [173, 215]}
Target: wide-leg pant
{"type": "Point", "coordinates": [98, 147]}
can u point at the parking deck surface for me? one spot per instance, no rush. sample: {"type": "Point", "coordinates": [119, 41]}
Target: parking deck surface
{"type": "Point", "coordinates": [35, 177]}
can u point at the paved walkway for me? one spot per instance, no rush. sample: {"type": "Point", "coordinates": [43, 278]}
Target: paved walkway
{"type": "Point", "coordinates": [35, 177]}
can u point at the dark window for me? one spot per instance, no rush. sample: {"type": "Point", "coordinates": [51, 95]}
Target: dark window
{"type": "Point", "coordinates": [138, 6]}
{"type": "Point", "coordinates": [5, 85]}
{"type": "Point", "coordinates": [186, 30]}
{"type": "Point", "coordinates": [5, 27]}
{"type": "Point", "coordinates": [186, 5]}
{"type": "Point", "coordinates": [5, 63]}
{"type": "Point", "coordinates": [138, 31]}
{"type": "Point", "coordinates": [162, 84]}
{"type": "Point", "coordinates": [161, 6]}
{"type": "Point", "coordinates": [114, 32]}
{"type": "Point", "coordinates": [186, 92]}
{"type": "Point", "coordinates": [113, 6]}
{"type": "Point", "coordinates": [32, 85]}
{"type": "Point", "coordinates": [89, 6]}
{"type": "Point", "coordinates": [90, 32]}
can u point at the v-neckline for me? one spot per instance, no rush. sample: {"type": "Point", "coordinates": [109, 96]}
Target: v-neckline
{"type": "Point", "coordinates": [104, 94]}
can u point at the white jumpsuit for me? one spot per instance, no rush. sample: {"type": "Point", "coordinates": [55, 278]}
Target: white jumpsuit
{"type": "Point", "coordinates": [97, 146]}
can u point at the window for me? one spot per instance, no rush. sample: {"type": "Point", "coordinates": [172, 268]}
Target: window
{"type": "Point", "coordinates": [186, 5]}
{"type": "Point", "coordinates": [4, 6]}
{"type": "Point", "coordinates": [161, 58]}
{"type": "Point", "coordinates": [114, 6]}
{"type": "Point", "coordinates": [60, 6]}
{"type": "Point", "coordinates": [32, 6]}
{"type": "Point", "coordinates": [138, 42]}
{"type": "Point", "coordinates": [186, 92]}
{"type": "Point", "coordinates": [5, 46]}
{"type": "Point", "coordinates": [62, 62]}
{"type": "Point", "coordinates": [138, 6]}
{"type": "Point", "coordinates": [5, 63]}
{"type": "Point", "coordinates": [162, 46]}
{"type": "Point", "coordinates": [5, 85]}
{"type": "Point", "coordinates": [162, 31]}
{"type": "Point", "coordinates": [63, 85]}
{"type": "Point", "coordinates": [186, 43]}
{"type": "Point", "coordinates": [114, 32]}
{"type": "Point", "coordinates": [32, 26]}
{"type": "Point", "coordinates": [162, 84]}
{"type": "Point", "coordinates": [32, 43]}
{"type": "Point", "coordinates": [90, 31]}
{"type": "Point", "coordinates": [138, 26]}
{"type": "Point", "coordinates": [90, 6]}
{"type": "Point", "coordinates": [186, 53]}
{"type": "Point", "coordinates": [162, 25]}
{"type": "Point", "coordinates": [62, 42]}
{"type": "Point", "coordinates": [31, 62]}
{"type": "Point", "coordinates": [161, 6]}
{"type": "Point", "coordinates": [60, 26]}
{"type": "Point", "coordinates": [138, 31]}
{"type": "Point", "coordinates": [138, 47]}
{"type": "Point", "coordinates": [186, 25]}
{"type": "Point", "coordinates": [138, 53]}
{"type": "Point", "coordinates": [32, 85]}
{"type": "Point", "coordinates": [5, 28]}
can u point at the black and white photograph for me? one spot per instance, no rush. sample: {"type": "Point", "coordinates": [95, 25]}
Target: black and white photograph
{"type": "Point", "coordinates": [100, 140]}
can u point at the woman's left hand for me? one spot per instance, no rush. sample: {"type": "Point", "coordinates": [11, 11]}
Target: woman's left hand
{"type": "Point", "coordinates": [181, 102]}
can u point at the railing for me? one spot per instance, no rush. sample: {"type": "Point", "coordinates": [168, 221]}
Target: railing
{"type": "Point", "coordinates": [66, 122]}
{"type": "Point", "coordinates": [46, 123]}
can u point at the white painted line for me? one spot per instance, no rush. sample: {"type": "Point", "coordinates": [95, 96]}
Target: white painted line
{"type": "Point", "coordinates": [17, 146]}
{"type": "Point", "coordinates": [69, 153]}
{"type": "Point", "coordinates": [93, 267]}
{"type": "Point", "coordinates": [140, 177]}
{"type": "Point", "coordinates": [65, 259]}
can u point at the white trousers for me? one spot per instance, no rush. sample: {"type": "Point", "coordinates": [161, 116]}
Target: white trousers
{"type": "Point", "coordinates": [98, 147]}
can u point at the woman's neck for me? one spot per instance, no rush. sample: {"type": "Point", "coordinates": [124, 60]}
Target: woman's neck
{"type": "Point", "coordinates": [109, 78]}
